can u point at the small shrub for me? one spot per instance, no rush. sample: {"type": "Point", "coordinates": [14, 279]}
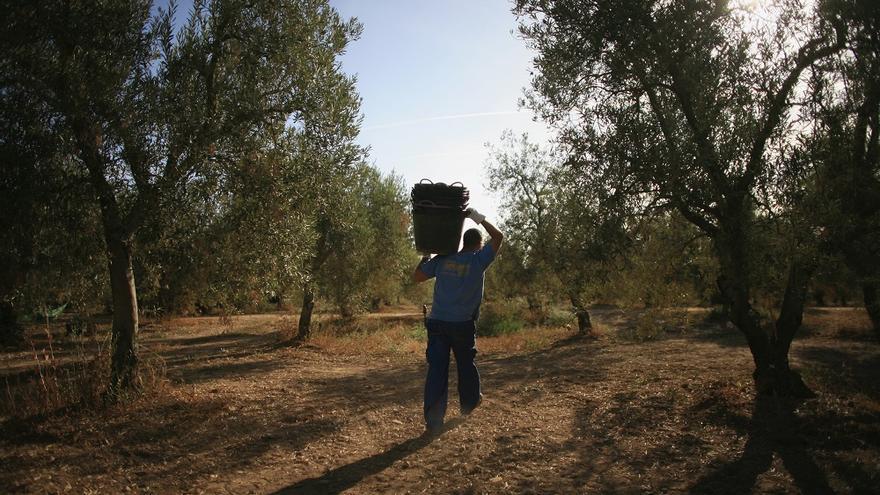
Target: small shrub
{"type": "Point", "coordinates": [559, 318]}
{"type": "Point", "coordinates": [418, 332]}
{"type": "Point", "coordinates": [288, 329]}
{"type": "Point", "coordinates": [499, 318]}
{"type": "Point", "coordinates": [226, 322]}
{"type": "Point", "coordinates": [536, 315]}
{"type": "Point", "coordinates": [80, 325]}
{"type": "Point", "coordinates": [654, 322]}
{"type": "Point", "coordinates": [648, 326]}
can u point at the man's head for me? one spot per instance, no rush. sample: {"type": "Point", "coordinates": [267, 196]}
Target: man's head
{"type": "Point", "coordinates": [473, 240]}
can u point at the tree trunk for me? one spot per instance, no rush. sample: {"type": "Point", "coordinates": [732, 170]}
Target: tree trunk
{"type": "Point", "coordinates": [305, 316]}
{"type": "Point", "coordinates": [735, 289]}
{"type": "Point", "coordinates": [769, 347]}
{"type": "Point", "coordinates": [788, 382]}
{"type": "Point", "coordinates": [872, 304]}
{"type": "Point", "coordinates": [125, 316]}
{"type": "Point", "coordinates": [118, 231]}
{"type": "Point", "coordinates": [585, 326]}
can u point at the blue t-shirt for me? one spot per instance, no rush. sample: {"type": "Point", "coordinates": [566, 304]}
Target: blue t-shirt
{"type": "Point", "coordinates": [459, 286]}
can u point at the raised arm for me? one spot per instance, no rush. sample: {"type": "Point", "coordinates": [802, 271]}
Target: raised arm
{"type": "Point", "coordinates": [418, 275]}
{"type": "Point", "coordinates": [495, 234]}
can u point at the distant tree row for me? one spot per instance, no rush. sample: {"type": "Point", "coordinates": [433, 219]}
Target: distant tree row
{"type": "Point", "coordinates": [744, 134]}
{"type": "Point", "coordinates": [183, 161]}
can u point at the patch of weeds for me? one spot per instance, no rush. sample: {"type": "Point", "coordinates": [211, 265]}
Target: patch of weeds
{"type": "Point", "coordinates": [536, 344]}
{"type": "Point", "coordinates": [559, 318]}
{"type": "Point", "coordinates": [653, 323]}
{"type": "Point", "coordinates": [499, 318]}
{"type": "Point", "coordinates": [418, 332]}
{"type": "Point", "coordinates": [226, 322]}
{"type": "Point", "coordinates": [647, 327]}
{"type": "Point", "coordinates": [288, 329]}
{"type": "Point", "coordinates": [80, 382]}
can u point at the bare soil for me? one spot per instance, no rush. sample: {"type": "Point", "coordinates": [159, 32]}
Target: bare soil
{"type": "Point", "coordinates": [561, 414]}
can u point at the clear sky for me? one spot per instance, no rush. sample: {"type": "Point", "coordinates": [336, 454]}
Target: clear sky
{"type": "Point", "coordinates": [438, 80]}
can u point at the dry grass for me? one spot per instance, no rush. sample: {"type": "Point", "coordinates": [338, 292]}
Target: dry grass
{"type": "Point", "coordinates": [406, 337]}
{"type": "Point", "coordinates": [835, 322]}
{"type": "Point", "coordinates": [53, 384]}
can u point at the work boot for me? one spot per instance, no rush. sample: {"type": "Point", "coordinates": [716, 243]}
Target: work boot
{"type": "Point", "coordinates": [465, 411]}
{"type": "Point", "coordinates": [433, 430]}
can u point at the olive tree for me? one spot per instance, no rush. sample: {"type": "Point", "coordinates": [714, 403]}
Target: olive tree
{"type": "Point", "coordinates": [561, 225]}
{"type": "Point", "coordinates": [843, 152]}
{"type": "Point", "coordinates": [362, 246]}
{"type": "Point", "coordinates": [144, 109]}
{"type": "Point", "coordinates": [689, 103]}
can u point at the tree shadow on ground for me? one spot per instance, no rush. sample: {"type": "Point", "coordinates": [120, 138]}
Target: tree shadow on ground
{"type": "Point", "coordinates": [224, 370]}
{"type": "Point", "coordinates": [374, 388]}
{"type": "Point", "coordinates": [175, 354]}
{"type": "Point", "coordinates": [176, 351]}
{"type": "Point", "coordinates": [347, 476]}
{"type": "Point", "coordinates": [853, 369]}
{"type": "Point", "coordinates": [170, 445]}
{"type": "Point", "coordinates": [719, 333]}
{"type": "Point", "coordinates": [774, 428]}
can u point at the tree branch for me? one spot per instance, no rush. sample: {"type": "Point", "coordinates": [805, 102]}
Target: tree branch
{"type": "Point", "coordinates": [807, 55]}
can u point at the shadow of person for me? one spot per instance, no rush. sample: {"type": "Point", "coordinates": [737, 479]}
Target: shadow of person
{"type": "Point", "coordinates": [345, 477]}
{"type": "Point", "coordinates": [775, 427]}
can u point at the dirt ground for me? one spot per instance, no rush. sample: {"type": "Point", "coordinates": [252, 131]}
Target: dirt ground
{"type": "Point", "coordinates": [561, 414]}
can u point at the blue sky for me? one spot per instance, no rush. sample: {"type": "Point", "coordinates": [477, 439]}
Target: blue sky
{"type": "Point", "coordinates": [438, 80]}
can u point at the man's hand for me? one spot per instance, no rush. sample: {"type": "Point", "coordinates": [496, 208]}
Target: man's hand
{"type": "Point", "coordinates": [475, 215]}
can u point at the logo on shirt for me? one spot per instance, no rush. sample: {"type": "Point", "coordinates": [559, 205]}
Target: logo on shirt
{"type": "Point", "coordinates": [455, 269]}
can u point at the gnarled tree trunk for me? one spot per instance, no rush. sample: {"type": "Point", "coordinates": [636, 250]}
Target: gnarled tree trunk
{"type": "Point", "coordinates": [305, 315]}
{"type": "Point", "coordinates": [787, 381]}
{"type": "Point", "coordinates": [585, 326]}
{"type": "Point", "coordinates": [769, 346]}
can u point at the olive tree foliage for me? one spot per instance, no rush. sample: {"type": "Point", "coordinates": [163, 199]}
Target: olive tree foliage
{"type": "Point", "coordinates": [842, 151]}
{"type": "Point", "coordinates": [564, 237]}
{"type": "Point", "coordinates": [362, 249]}
{"type": "Point", "coordinates": [367, 265]}
{"type": "Point", "coordinates": [519, 170]}
{"type": "Point", "coordinates": [51, 245]}
{"type": "Point", "coordinates": [234, 251]}
{"type": "Point", "coordinates": [144, 113]}
{"type": "Point", "coordinates": [669, 264]}
{"type": "Point", "coordinates": [391, 251]}
{"type": "Point", "coordinates": [689, 104]}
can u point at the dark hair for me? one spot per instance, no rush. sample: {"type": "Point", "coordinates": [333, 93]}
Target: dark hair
{"type": "Point", "coordinates": [472, 238]}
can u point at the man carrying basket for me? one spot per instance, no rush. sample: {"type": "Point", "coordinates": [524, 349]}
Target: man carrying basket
{"type": "Point", "coordinates": [451, 325]}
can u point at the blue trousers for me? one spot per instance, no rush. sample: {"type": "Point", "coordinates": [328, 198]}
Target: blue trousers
{"type": "Point", "coordinates": [461, 338]}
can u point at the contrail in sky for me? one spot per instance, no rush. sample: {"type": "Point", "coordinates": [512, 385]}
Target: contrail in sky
{"type": "Point", "coordinates": [432, 119]}
{"type": "Point", "coordinates": [444, 154]}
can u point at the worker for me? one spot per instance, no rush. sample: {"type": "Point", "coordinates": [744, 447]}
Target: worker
{"type": "Point", "coordinates": [451, 325]}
